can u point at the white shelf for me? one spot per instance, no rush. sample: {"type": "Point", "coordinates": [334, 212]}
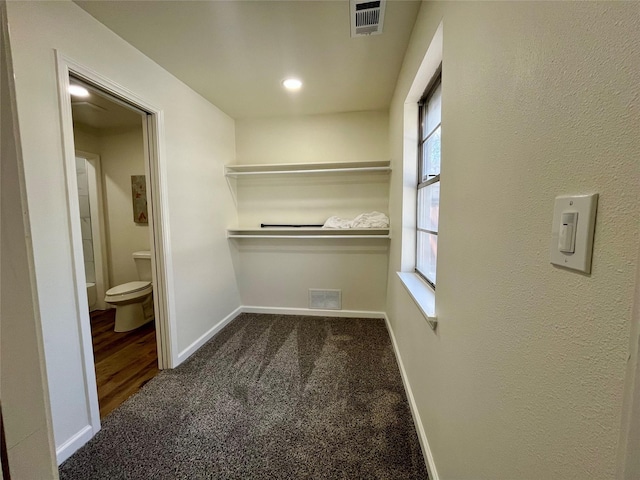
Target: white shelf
{"type": "Point", "coordinates": [307, 168]}
{"type": "Point", "coordinates": [308, 233]}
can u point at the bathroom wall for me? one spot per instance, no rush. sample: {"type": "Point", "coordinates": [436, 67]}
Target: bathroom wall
{"type": "Point", "coordinates": [279, 273]}
{"type": "Point", "coordinates": [198, 139]}
{"type": "Point", "coordinates": [524, 377]}
{"type": "Point", "coordinates": [121, 153]}
{"type": "Point", "coordinates": [86, 138]}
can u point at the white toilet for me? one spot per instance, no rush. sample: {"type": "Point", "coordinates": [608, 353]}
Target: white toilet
{"type": "Point", "coordinates": [133, 300]}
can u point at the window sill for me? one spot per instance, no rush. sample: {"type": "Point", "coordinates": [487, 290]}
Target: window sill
{"type": "Point", "coordinates": [422, 294]}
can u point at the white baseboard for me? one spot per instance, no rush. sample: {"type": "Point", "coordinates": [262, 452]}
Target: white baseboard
{"type": "Point", "coordinates": [208, 335]}
{"type": "Point", "coordinates": [422, 436]}
{"type": "Point", "coordinates": [69, 447]}
{"type": "Point", "coordinates": [191, 349]}
{"type": "Point", "coordinates": [313, 312]}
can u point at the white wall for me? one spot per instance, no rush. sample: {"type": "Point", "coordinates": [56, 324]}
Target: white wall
{"type": "Point", "coordinates": [23, 386]}
{"type": "Point", "coordinates": [525, 374]}
{"type": "Point", "coordinates": [86, 138]}
{"type": "Point", "coordinates": [339, 137]}
{"type": "Point", "coordinates": [279, 273]}
{"type": "Point", "coordinates": [198, 140]}
{"type": "Point", "coordinates": [310, 199]}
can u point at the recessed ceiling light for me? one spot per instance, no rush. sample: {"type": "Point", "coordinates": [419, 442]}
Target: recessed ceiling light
{"type": "Point", "coordinates": [292, 84]}
{"type": "Point", "coordinates": [78, 91]}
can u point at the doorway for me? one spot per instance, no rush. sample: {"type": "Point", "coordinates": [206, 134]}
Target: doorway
{"type": "Point", "coordinates": [151, 120]}
{"type": "Point", "coordinates": [110, 157]}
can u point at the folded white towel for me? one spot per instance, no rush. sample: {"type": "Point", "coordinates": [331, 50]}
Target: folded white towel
{"type": "Point", "coordinates": [371, 220]}
{"type": "Point", "coordinates": [337, 222]}
{"type": "Point", "coordinates": [364, 220]}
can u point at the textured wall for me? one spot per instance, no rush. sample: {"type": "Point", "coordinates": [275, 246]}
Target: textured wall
{"type": "Point", "coordinates": [525, 375]}
{"type": "Point", "coordinates": [629, 460]}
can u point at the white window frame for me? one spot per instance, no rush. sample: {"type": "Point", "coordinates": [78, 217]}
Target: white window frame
{"type": "Point", "coordinates": [420, 291]}
{"type": "Point", "coordinates": [424, 178]}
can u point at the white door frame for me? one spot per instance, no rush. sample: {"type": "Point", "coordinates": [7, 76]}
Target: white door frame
{"type": "Point", "coordinates": [628, 460]}
{"type": "Point", "coordinates": [155, 168]}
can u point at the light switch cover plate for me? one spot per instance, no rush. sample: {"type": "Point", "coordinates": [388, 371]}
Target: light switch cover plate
{"type": "Point", "coordinates": [586, 206]}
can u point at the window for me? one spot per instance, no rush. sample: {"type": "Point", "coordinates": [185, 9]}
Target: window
{"type": "Point", "coordinates": [428, 180]}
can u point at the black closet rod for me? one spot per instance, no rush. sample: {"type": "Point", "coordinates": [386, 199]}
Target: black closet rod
{"type": "Point", "coordinates": [271, 225]}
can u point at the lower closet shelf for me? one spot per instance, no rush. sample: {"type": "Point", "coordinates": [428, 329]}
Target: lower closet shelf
{"type": "Point", "coordinates": [303, 233]}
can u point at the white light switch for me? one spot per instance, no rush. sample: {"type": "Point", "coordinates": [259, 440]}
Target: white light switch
{"type": "Point", "coordinates": [574, 219]}
{"type": "Point", "coordinates": [567, 235]}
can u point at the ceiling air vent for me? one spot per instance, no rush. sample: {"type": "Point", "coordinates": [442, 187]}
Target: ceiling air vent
{"type": "Point", "coordinates": [366, 17]}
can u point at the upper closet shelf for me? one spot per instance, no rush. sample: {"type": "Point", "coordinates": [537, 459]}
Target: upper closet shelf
{"type": "Point", "coordinates": [351, 233]}
{"type": "Point", "coordinates": [305, 168]}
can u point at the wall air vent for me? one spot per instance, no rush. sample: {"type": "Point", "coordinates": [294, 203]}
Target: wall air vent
{"type": "Point", "coordinates": [325, 299]}
{"type": "Point", "coordinates": [366, 17]}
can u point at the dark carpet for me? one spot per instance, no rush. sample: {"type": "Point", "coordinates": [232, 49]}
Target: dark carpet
{"type": "Point", "coordinates": [270, 397]}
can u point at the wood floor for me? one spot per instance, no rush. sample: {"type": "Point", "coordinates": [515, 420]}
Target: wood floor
{"type": "Point", "coordinates": [124, 361]}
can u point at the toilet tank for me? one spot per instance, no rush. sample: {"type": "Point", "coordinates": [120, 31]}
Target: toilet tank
{"type": "Point", "coordinates": [143, 265]}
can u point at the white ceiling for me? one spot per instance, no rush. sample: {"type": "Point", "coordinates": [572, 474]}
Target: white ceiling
{"type": "Point", "coordinates": [99, 112]}
{"type": "Point", "coordinates": [235, 53]}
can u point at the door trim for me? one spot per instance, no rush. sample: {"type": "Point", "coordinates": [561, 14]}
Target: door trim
{"type": "Point", "coordinates": [155, 168]}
